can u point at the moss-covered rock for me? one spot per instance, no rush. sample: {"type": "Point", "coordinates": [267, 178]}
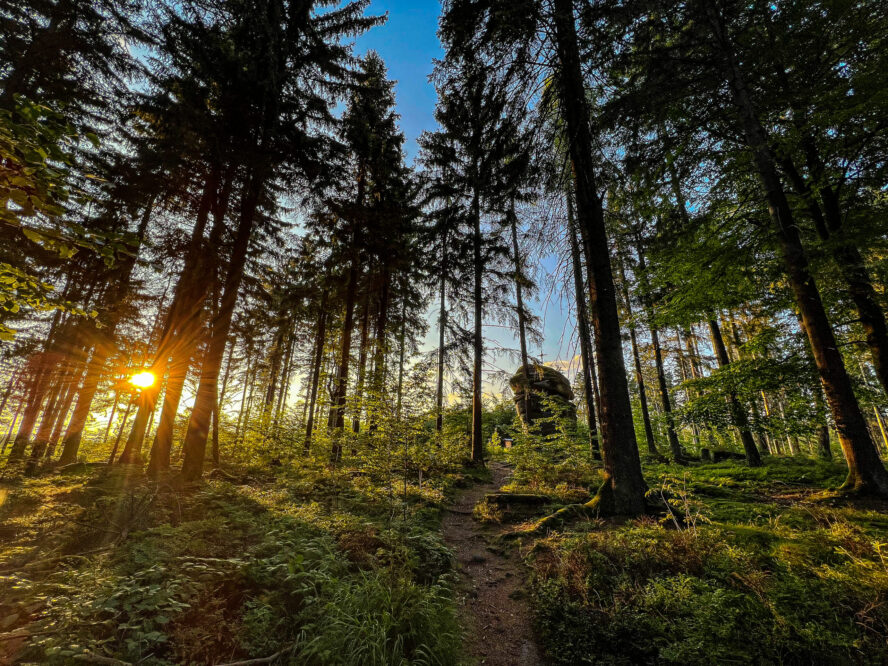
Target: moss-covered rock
{"type": "Point", "coordinates": [542, 393]}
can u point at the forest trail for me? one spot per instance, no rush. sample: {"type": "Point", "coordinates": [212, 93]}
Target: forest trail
{"type": "Point", "coordinates": [493, 605]}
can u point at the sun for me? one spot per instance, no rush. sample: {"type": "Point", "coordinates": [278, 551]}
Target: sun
{"type": "Point", "coordinates": [142, 380]}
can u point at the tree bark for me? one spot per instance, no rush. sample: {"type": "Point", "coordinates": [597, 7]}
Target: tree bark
{"type": "Point", "coordinates": [320, 338]}
{"type": "Point", "coordinates": [583, 326]}
{"type": "Point", "coordinates": [183, 329]}
{"type": "Point", "coordinates": [195, 444]}
{"type": "Point", "coordinates": [623, 491]}
{"type": "Point", "coordinates": [362, 362]}
{"type": "Point", "coordinates": [639, 376]}
{"type": "Point", "coordinates": [442, 325]}
{"type": "Point", "coordinates": [103, 347]}
{"type": "Point", "coordinates": [336, 420]}
{"type": "Point", "coordinates": [738, 414]}
{"type": "Point", "coordinates": [477, 336]}
{"type": "Point", "coordinates": [866, 474]}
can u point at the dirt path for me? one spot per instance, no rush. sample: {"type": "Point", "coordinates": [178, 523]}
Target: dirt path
{"type": "Point", "coordinates": [496, 614]}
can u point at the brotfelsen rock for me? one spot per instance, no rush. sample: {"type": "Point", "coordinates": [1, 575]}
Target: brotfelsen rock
{"type": "Point", "coordinates": [540, 394]}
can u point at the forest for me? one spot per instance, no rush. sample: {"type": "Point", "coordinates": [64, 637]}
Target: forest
{"type": "Point", "coordinates": [280, 381]}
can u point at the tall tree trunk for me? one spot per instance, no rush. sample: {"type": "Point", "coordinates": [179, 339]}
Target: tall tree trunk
{"type": "Point", "coordinates": [362, 362]}
{"type": "Point", "coordinates": [195, 444]}
{"type": "Point", "coordinates": [738, 414]}
{"type": "Point", "coordinates": [519, 300]}
{"type": "Point", "coordinates": [583, 326]}
{"type": "Point", "coordinates": [242, 410]}
{"type": "Point", "coordinates": [623, 491]}
{"type": "Point", "coordinates": [276, 358]}
{"type": "Point", "coordinates": [639, 375]}
{"type": "Point", "coordinates": [828, 221]}
{"type": "Point", "coordinates": [866, 474]}
{"type": "Point", "coordinates": [442, 325]}
{"type": "Point", "coordinates": [477, 337]}
{"type": "Point", "coordinates": [320, 337]}
{"type": "Point", "coordinates": [50, 414]}
{"type": "Point", "coordinates": [113, 299]}
{"type": "Point", "coordinates": [686, 367]}
{"type": "Point", "coordinates": [10, 386]}
{"type": "Point", "coordinates": [126, 413]}
{"type": "Point", "coordinates": [18, 411]}
{"type": "Point", "coordinates": [36, 393]}
{"type": "Point", "coordinates": [132, 450]}
{"type": "Point", "coordinates": [402, 337]}
{"type": "Point", "coordinates": [62, 415]}
{"type": "Point", "coordinates": [284, 391]}
{"type": "Point", "coordinates": [336, 420]}
{"type": "Point", "coordinates": [184, 326]}
{"type": "Point", "coordinates": [665, 402]}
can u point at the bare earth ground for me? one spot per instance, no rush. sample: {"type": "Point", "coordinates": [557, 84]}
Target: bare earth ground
{"type": "Point", "coordinates": [494, 609]}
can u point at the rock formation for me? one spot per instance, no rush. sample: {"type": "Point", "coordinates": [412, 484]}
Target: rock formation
{"type": "Point", "coordinates": [547, 394]}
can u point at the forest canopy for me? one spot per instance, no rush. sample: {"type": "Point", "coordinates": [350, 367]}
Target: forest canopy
{"type": "Point", "coordinates": [277, 386]}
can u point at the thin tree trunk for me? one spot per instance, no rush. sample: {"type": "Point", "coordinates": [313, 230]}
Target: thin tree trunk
{"type": "Point", "coordinates": [111, 418]}
{"type": "Point", "coordinates": [738, 414]}
{"type": "Point", "coordinates": [519, 300]}
{"type": "Point", "coordinates": [9, 432]}
{"type": "Point", "coordinates": [442, 325]}
{"type": "Point", "coordinates": [402, 346]}
{"type": "Point", "coordinates": [639, 376]}
{"type": "Point", "coordinates": [665, 402]}
{"type": "Point", "coordinates": [477, 337]}
{"type": "Point", "coordinates": [362, 362]}
{"type": "Point", "coordinates": [336, 420]}
{"type": "Point", "coordinates": [583, 326]}
{"type": "Point", "coordinates": [35, 395]}
{"type": "Point", "coordinates": [320, 337]}
{"type": "Point", "coordinates": [126, 413]}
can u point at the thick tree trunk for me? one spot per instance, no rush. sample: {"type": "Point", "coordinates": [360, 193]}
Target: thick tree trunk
{"type": "Point", "coordinates": [184, 326]}
{"type": "Point", "coordinates": [583, 326]}
{"type": "Point", "coordinates": [195, 444]}
{"type": "Point", "coordinates": [624, 489]}
{"type": "Point", "coordinates": [866, 473]}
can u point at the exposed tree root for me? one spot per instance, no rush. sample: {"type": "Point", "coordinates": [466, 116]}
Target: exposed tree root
{"type": "Point", "coordinates": [603, 505]}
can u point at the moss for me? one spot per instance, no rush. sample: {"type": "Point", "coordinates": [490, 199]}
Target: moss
{"type": "Point", "coordinates": [770, 573]}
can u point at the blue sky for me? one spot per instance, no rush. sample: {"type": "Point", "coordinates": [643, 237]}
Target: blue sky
{"type": "Point", "coordinates": [408, 43]}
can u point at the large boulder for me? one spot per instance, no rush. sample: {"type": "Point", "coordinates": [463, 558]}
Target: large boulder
{"type": "Point", "coordinates": [540, 393]}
